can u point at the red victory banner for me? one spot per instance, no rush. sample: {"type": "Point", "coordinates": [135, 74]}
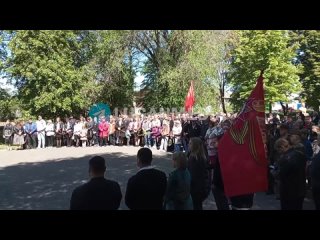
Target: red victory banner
{"type": "Point", "coordinates": [190, 100]}
{"type": "Point", "coordinates": [241, 150]}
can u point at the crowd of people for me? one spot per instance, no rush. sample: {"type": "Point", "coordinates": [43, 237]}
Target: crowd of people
{"type": "Point", "coordinates": [161, 131]}
{"type": "Point", "coordinates": [293, 152]}
{"type": "Point", "coordinates": [293, 145]}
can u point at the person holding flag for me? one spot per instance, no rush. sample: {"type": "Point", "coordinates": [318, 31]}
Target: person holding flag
{"type": "Point", "coordinates": [244, 170]}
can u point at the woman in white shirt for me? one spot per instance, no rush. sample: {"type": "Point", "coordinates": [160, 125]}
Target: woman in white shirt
{"type": "Point", "coordinates": [176, 130]}
{"type": "Point", "coordinates": [50, 133]}
{"type": "Point", "coordinates": [77, 132]}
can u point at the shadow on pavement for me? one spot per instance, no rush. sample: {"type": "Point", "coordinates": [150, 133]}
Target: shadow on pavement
{"type": "Point", "coordinates": [49, 185]}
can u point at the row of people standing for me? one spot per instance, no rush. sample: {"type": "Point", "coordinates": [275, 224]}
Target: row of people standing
{"type": "Point", "coordinates": [186, 187]}
{"type": "Point", "coordinates": [162, 133]}
{"type": "Point", "coordinates": [18, 133]}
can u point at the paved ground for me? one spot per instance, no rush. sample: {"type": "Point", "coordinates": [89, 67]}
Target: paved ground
{"type": "Point", "coordinates": [45, 178]}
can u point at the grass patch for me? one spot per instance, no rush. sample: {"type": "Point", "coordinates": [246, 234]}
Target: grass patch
{"type": "Point", "coordinates": [4, 147]}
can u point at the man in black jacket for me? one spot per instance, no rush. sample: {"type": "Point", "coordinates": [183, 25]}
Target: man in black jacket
{"type": "Point", "coordinates": [99, 193]}
{"type": "Point", "coordinates": [146, 189]}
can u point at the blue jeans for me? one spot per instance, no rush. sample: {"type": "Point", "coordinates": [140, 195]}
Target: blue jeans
{"type": "Point", "coordinates": [185, 144]}
{"type": "Point", "coordinates": [147, 140]}
{"type": "Point", "coordinates": [177, 147]}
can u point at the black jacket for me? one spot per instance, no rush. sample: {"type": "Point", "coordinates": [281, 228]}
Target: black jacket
{"type": "Point", "coordinates": [194, 130]}
{"type": "Point", "coordinates": [146, 190]}
{"type": "Point", "coordinates": [217, 176]}
{"type": "Point", "coordinates": [293, 174]}
{"type": "Point", "coordinates": [171, 125]}
{"type": "Point", "coordinates": [8, 130]}
{"type": "Point", "coordinates": [98, 194]}
{"type": "Point", "coordinates": [204, 127]}
{"type": "Point", "coordinates": [200, 182]}
{"type": "Point", "coordinates": [315, 172]}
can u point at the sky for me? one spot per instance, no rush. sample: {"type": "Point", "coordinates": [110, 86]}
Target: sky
{"type": "Point", "coordinates": [3, 84]}
{"type": "Point", "coordinates": [137, 81]}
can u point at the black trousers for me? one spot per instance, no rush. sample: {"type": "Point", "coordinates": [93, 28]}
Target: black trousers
{"type": "Point", "coordinates": [103, 141]}
{"type": "Point", "coordinates": [270, 183]}
{"type": "Point", "coordinates": [64, 139]}
{"type": "Point", "coordinates": [316, 198]}
{"type": "Point", "coordinates": [58, 140]}
{"type": "Point", "coordinates": [31, 141]}
{"type": "Point", "coordinates": [69, 139]}
{"type": "Point", "coordinates": [77, 140]}
{"type": "Point", "coordinates": [112, 139]}
{"type": "Point", "coordinates": [220, 199]}
{"type": "Point", "coordinates": [50, 141]}
{"type": "Point", "coordinates": [197, 202]}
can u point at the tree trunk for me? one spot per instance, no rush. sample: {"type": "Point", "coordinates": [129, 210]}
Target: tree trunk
{"type": "Point", "coordinates": [270, 107]}
{"type": "Point", "coordinates": [284, 108]}
{"type": "Point", "coordinates": [222, 98]}
{"type": "Point", "coordinates": [223, 105]}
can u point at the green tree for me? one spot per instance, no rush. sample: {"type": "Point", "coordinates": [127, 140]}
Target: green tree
{"type": "Point", "coordinates": [42, 67]}
{"type": "Point", "coordinates": [8, 105]}
{"type": "Point", "coordinates": [309, 57]}
{"type": "Point", "coordinates": [272, 51]}
{"type": "Point", "coordinates": [174, 59]}
{"type": "Point", "coordinates": [113, 69]}
{"type": "Point", "coordinates": [154, 46]}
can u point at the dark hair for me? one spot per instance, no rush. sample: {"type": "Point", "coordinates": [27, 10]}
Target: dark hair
{"type": "Point", "coordinates": [145, 156]}
{"type": "Point", "coordinates": [304, 132]}
{"type": "Point", "coordinates": [284, 126]}
{"type": "Point", "coordinates": [97, 164]}
{"type": "Point", "coordinates": [294, 132]}
{"type": "Point", "coordinates": [181, 159]}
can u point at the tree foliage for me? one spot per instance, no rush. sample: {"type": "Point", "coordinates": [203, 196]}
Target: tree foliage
{"type": "Point", "coordinates": [9, 105]}
{"type": "Point", "coordinates": [114, 68]}
{"type": "Point", "coordinates": [269, 50]}
{"type": "Point", "coordinates": [64, 72]}
{"type": "Point", "coordinates": [309, 57]}
{"type": "Point", "coordinates": [42, 67]}
{"type": "Point", "coordinates": [174, 59]}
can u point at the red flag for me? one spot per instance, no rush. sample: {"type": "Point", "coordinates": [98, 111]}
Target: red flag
{"type": "Point", "coordinates": [241, 150]}
{"type": "Point", "coordinates": [188, 105]}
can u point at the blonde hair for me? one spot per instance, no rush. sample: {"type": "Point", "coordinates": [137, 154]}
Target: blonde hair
{"type": "Point", "coordinates": [181, 159]}
{"type": "Point", "coordinates": [197, 149]}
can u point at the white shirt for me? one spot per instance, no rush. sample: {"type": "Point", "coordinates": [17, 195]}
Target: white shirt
{"type": "Point", "coordinates": [77, 128]}
{"type": "Point", "coordinates": [41, 125]}
{"type": "Point", "coordinates": [156, 123]}
{"type": "Point", "coordinates": [145, 168]}
{"type": "Point", "coordinates": [50, 129]}
{"type": "Point", "coordinates": [176, 130]}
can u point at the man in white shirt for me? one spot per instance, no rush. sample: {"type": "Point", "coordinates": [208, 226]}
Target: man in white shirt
{"type": "Point", "coordinates": [41, 127]}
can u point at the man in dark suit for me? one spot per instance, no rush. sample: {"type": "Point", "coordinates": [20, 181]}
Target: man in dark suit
{"type": "Point", "coordinates": [146, 189]}
{"type": "Point", "coordinates": [99, 193]}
